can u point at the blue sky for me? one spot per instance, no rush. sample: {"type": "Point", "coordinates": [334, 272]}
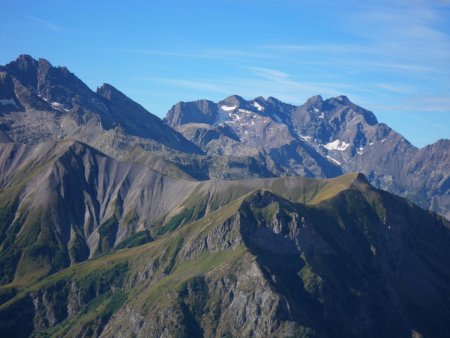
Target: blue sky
{"type": "Point", "coordinates": [391, 57]}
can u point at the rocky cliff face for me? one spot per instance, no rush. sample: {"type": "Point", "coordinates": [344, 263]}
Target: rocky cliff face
{"type": "Point", "coordinates": [360, 262]}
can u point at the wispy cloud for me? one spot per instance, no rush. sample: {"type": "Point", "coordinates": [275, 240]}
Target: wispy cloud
{"type": "Point", "coordinates": [395, 88]}
{"type": "Point", "coordinates": [418, 105]}
{"type": "Point", "coordinates": [257, 82]}
{"type": "Point", "coordinates": [217, 53]}
{"type": "Point", "coordinates": [399, 67]}
{"type": "Point", "coordinates": [408, 31]}
{"type": "Point", "coordinates": [433, 104]}
{"type": "Point", "coordinates": [431, 123]}
{"type": "Point", "coordinates": [268, 73]}
{"type": "Point", "coordinates": [202, 85]}
{"type": "Point", "coordinates": [324, 48]}
{"type": "Point", "coordinates": [399, 36]}
{"type": "Point", "coordinates": [45, 23]}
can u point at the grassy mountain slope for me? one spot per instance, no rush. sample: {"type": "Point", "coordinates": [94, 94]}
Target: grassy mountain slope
{"type": "Point", "coordinates": [64, 202]}
{"type": "Point", "coordinates": [354, 262]}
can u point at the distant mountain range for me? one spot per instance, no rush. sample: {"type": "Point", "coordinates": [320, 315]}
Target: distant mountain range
{"type": "Point", "coordinates": [229, 219]}
{"type": "Point", "coordinates": [321, 138]}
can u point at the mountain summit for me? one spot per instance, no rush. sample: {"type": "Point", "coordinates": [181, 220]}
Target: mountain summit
{"type": "Point", "coordinates": [49, 103]}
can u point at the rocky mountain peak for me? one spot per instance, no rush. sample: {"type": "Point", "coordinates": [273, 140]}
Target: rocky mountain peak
{"type": "Point", "coordinates": [343, 99]}
{"type": "Point", "coordinates": [200, 111]}
{"type": "Point", "coordinates": [110, 92]}
{"type": "Point", "coordinates": [52, 103]}
{"type": "Point", "coordinates": [56, 85]}
{"type": "Point", "coordinates": [26, 62]}
{"type": "Point", "coordinates": [440, 145]}
{"type": "Point", "coordinates": [24, 67]}
{"type": "Point", "coordinates": [315, 101]}
{"type": "Point", "coordinates": [272, 99]}
{"type": "Point", "coordinates": [261, 99]}
{"type": "Point", "coordinates": [361, 182]}
{"type": "Point", "coordinates": [234, 100]}
{"type": "Point", "coordinates": [344, 108]}
{"type": "Point", "coordinates": [28, 70]}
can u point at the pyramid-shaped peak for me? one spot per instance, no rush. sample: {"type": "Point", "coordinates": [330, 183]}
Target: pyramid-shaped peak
{"type": "Point", "coordinates": [273, 100]}
{"type": "Point", "coordinates": [315, 100]}
{"type": "Point", "coordinates": [361, 178]}
{"type": "Point", "coordinates": [106, 86]}
{"type": "Point", "coordinates": [110, 92]}
{"type": "Point", "coordinates": [25, 62]}
{"type": "Point", "coordinates": [106, 89]}
{"type": "Point", "coordinates": [259, 99]}
{"type": "Point", "coordinates": [25, 59]}
{"type": "Point", "coordinates": [234, 100]}
{"type": "Point", "coordinates": [341, 100]}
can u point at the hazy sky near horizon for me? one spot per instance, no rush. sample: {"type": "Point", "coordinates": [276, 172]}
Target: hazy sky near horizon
{"type": "Point", "coordinates": [391, 57]}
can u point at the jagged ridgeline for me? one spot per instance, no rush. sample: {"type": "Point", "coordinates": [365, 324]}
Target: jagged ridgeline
{"type": "Point", "coordinates": [265, 258]}
{"type": "Point", "coordinates": [230, 219]}
{"type": "Point", "coordinates": [321, 138]}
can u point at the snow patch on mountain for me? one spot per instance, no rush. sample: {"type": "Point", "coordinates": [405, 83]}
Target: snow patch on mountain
{"type": "Point", "coordinates": [337, 145]}
{"type": "Point", "coordinates": [59, 106]}
{"type": "Point", "coordinates": [227, 108]}
{"type": "Point", "coordinates": [333, 160]}
{"type": "Point", "coordinates": [305, 138]}
{"type": "Point", "coordinates": [258, 106]}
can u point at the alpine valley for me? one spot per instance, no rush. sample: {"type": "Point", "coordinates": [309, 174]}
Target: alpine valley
{"type": "Point", "coordinates": [231, 219]}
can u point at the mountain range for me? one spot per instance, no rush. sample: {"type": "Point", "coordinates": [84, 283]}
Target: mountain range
{"type": "Point", "coordinates": [231, 139]}
{"type": "Point", "coordinates": [321, 138]}
{"type": "Point", "coordinates": [237, 218]}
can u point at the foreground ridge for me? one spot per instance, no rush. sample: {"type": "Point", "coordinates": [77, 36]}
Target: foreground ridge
{"type": "Point", "coordinates": [356, 261]}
